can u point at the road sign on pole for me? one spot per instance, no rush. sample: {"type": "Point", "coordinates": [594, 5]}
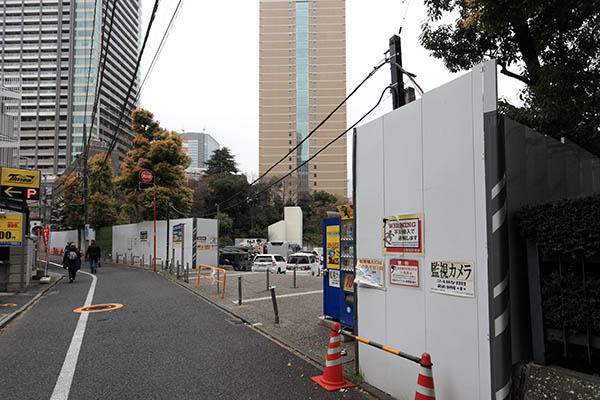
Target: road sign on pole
{"type": "Point", "coordinates": [146, 176]}
{"type": "Point", "coordinates": [21, 184]}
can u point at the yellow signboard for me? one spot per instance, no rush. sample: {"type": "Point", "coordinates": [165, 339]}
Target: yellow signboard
{"type": "Point", "coordinates": [346, 211]}
{"type": "Point", "coordinates": [11, 226]}
{"type": "Point", "coordinates": [20, 178]}
{"type": "Point", "coordinates": [333, 247]}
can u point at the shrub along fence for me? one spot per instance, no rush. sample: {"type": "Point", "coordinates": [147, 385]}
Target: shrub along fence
{"type": "Point", "coordinates": [564, 281]}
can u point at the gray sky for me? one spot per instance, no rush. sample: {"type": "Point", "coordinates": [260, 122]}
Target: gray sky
{"type": "Point", "coordinates": [207, 74]}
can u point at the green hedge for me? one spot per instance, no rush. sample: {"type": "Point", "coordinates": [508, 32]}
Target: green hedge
{"type": "Point", "coordinates": [564, 226]}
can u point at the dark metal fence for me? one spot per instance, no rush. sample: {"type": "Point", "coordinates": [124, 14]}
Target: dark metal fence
{"type": "Point", "coordinates": [565, 308]}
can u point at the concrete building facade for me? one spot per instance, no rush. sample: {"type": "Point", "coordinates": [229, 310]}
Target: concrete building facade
{"type": "Point", "coordinates": [302, 79]}
{"type": "Point", "coordinates": [48, 44]}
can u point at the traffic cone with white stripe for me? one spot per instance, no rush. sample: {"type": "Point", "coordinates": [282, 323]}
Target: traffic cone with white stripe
{"type": "Point", "coordinates": [332, 378]}
{"type": "Point", "coordinates": [425, 389]}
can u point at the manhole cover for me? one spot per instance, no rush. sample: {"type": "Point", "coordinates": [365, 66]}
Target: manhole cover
{"type": "Point", "coordinates": [99, 307]}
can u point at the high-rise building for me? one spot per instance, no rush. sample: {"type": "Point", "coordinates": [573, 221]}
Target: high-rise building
{"type": "Point", "coordinates": [302, 78]}
{"type": "Point", "coordinates": [199, 146]}
{"type": "Point", "coordinates": [48, 44]}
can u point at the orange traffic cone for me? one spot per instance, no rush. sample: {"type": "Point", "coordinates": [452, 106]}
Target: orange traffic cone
{"type": "Point", "coordinates": [332, 378]}
{"type": "Point", "coordinates": [425, 389]}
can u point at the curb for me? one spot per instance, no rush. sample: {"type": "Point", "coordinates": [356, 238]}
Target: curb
{"type": "Point", "coordinates": [14, 314]}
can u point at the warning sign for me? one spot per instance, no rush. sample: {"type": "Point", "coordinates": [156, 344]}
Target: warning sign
{"type": "Point", "coordinates": [454, 278]}
{"type": "Point", "coordinates": [403, 234]}
{"type": "Point", "coordinates": [404, 272]}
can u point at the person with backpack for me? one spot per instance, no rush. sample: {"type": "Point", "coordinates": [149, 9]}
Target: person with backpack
{"type": "Point", "coordinates": [72, 261]}
{"type": "Point", "coordinates": [93, 253]}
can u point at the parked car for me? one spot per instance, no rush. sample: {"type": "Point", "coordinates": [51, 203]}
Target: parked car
{"type": "Point", "coordinates": [304, 263]}
{"type": "Point", "coordinates": [237, 258]}
{"type": "Point", "coordinates": [274, 262]}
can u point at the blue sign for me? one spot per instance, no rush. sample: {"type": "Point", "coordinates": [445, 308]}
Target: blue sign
{"type": "Point", "coordinates": [143, 236]}
{"type": "Point", "coordinates": [177, 235]}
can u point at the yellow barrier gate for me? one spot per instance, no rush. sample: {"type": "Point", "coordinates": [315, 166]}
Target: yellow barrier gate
{"type": "Point", "coordinates": [213, 276]}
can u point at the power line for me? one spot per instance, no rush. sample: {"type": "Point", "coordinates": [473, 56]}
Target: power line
{"type": "Point", "coordinates": [375, 69]}
{"type": "Point", "coordinates": [137, 67]}
{"type": "Point", "coordinates": [310, 158]}
{"type": "Point", "coordinates": [102, 61]}
{"type": "Point", "coordinates": [160, 47]}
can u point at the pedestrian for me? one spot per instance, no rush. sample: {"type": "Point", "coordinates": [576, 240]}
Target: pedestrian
{"type": "Point", "coordinates": [72, 261]}
{"type": "Point", "coordinates": [93, 253]}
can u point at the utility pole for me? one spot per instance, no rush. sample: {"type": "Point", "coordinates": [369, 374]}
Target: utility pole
{"type": "Point", "coordinates": [218, 225]}
{"type": "Point", "coordinates": [86, 215]}
{"type": "Point", "coordinates": [396, 68]}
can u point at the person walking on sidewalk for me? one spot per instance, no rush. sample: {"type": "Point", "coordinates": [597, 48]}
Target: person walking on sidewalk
{"type": "Point", "coordinates": [72, 261]}
{"type": "Point", "coordinates": [93, 254]}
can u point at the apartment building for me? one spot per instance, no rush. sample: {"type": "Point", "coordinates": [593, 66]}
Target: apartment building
{"type": "Point", "coordinates": [48, 44]}
{"type": "Point", "coordinates": [302, 79]}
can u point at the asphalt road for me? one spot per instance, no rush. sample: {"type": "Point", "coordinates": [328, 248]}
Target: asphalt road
{"type": "Point", "coordinates": [164, 343]}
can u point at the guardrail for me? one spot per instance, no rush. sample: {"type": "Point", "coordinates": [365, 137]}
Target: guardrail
{"type": "Point", "coordinates": [215, 271]}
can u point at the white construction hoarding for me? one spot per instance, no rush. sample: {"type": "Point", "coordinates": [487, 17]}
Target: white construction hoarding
{"type": "Point", "coordinates": [424, 164]}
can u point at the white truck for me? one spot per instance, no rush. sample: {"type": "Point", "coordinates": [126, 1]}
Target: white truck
{"type": "Point", "coordinates": [282, 248]}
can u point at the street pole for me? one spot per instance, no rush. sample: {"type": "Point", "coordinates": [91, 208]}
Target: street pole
{"type": "Point", "coordinates": [168, 228]}
{"type": "Point", "coordinates": [218, 226]}
{"type": "Point", "coordinates": [154, 259]}
{"type": "Point", "coordinates": [85, 186]}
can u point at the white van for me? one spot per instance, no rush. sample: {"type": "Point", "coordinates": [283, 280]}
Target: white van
{"type": "Point", "coordinates": [304, 263]}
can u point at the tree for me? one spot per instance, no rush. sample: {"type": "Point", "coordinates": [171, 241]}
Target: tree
{"type": "Point", "coordinates": [159, 151]}
{"type": "Point", "coordinates": [221, 162]}
{"type": "Point", "coordinates": [71, 199]}
{"type": "Point", "coordinates": [557, 42]}
{"type": "Point", "coordinates": [102, 203]}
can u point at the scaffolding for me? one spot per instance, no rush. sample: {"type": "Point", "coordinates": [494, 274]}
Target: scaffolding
{"type": "Point", "coordinates": [10, 120]}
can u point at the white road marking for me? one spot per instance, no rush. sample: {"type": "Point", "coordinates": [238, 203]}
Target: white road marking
{"type": "Point", "coordinates": [65, 378]}
{"type": "Point", "coordinates": [280, 296]}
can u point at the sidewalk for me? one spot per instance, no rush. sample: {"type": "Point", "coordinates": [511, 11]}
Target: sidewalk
{"type": "Point", "coordinates": [12, 304]}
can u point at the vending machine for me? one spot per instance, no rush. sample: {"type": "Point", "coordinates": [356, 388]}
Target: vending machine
{"type": "Point", "coordinates": [338, 267]}
{"type": "Point", "coordinates": [331, 268]}
{"type": "Point", "coordinates": [347, 265]}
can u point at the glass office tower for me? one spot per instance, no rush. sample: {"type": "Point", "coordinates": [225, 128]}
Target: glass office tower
{"type": "Point", "coordinates": [302, 79]}
{"type": "Point", "coordinates": [48, 44]}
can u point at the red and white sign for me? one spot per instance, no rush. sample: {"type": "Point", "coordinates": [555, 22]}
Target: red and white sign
{"type": "Point", "coordinates": [403, 234]}
{"type": "Point", "coordinates": [46, 235]}
{"type": "Point", "coordinates": [404, 272]}
{"type": "Point", "coordinates": [146, 176]}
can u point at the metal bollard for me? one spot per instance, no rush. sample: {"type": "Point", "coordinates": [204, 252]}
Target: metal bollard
{"type": "Point", "coordinates": [294, 278]}
{"type": "Point", "coordinates": [239, 290]}
{"type": "Point", "coordinates": [274, 299]}
{"type": "Point", "coordinates": [132, 259]}
{"type": "Point", "coordinates": [218, 289]}
{"type": "Point", "coordinates": [125, 258]}
{"type": "Point", "coordinates": [142, 261]}
{"type": "Point", "coordinates": [177, 269]}
{"type": "Point", "coordinates": [268, 286]}
{"type": "Point", "coordinates": [187, 272]}
{"type": "Point", "coordinates": [162, 264]}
